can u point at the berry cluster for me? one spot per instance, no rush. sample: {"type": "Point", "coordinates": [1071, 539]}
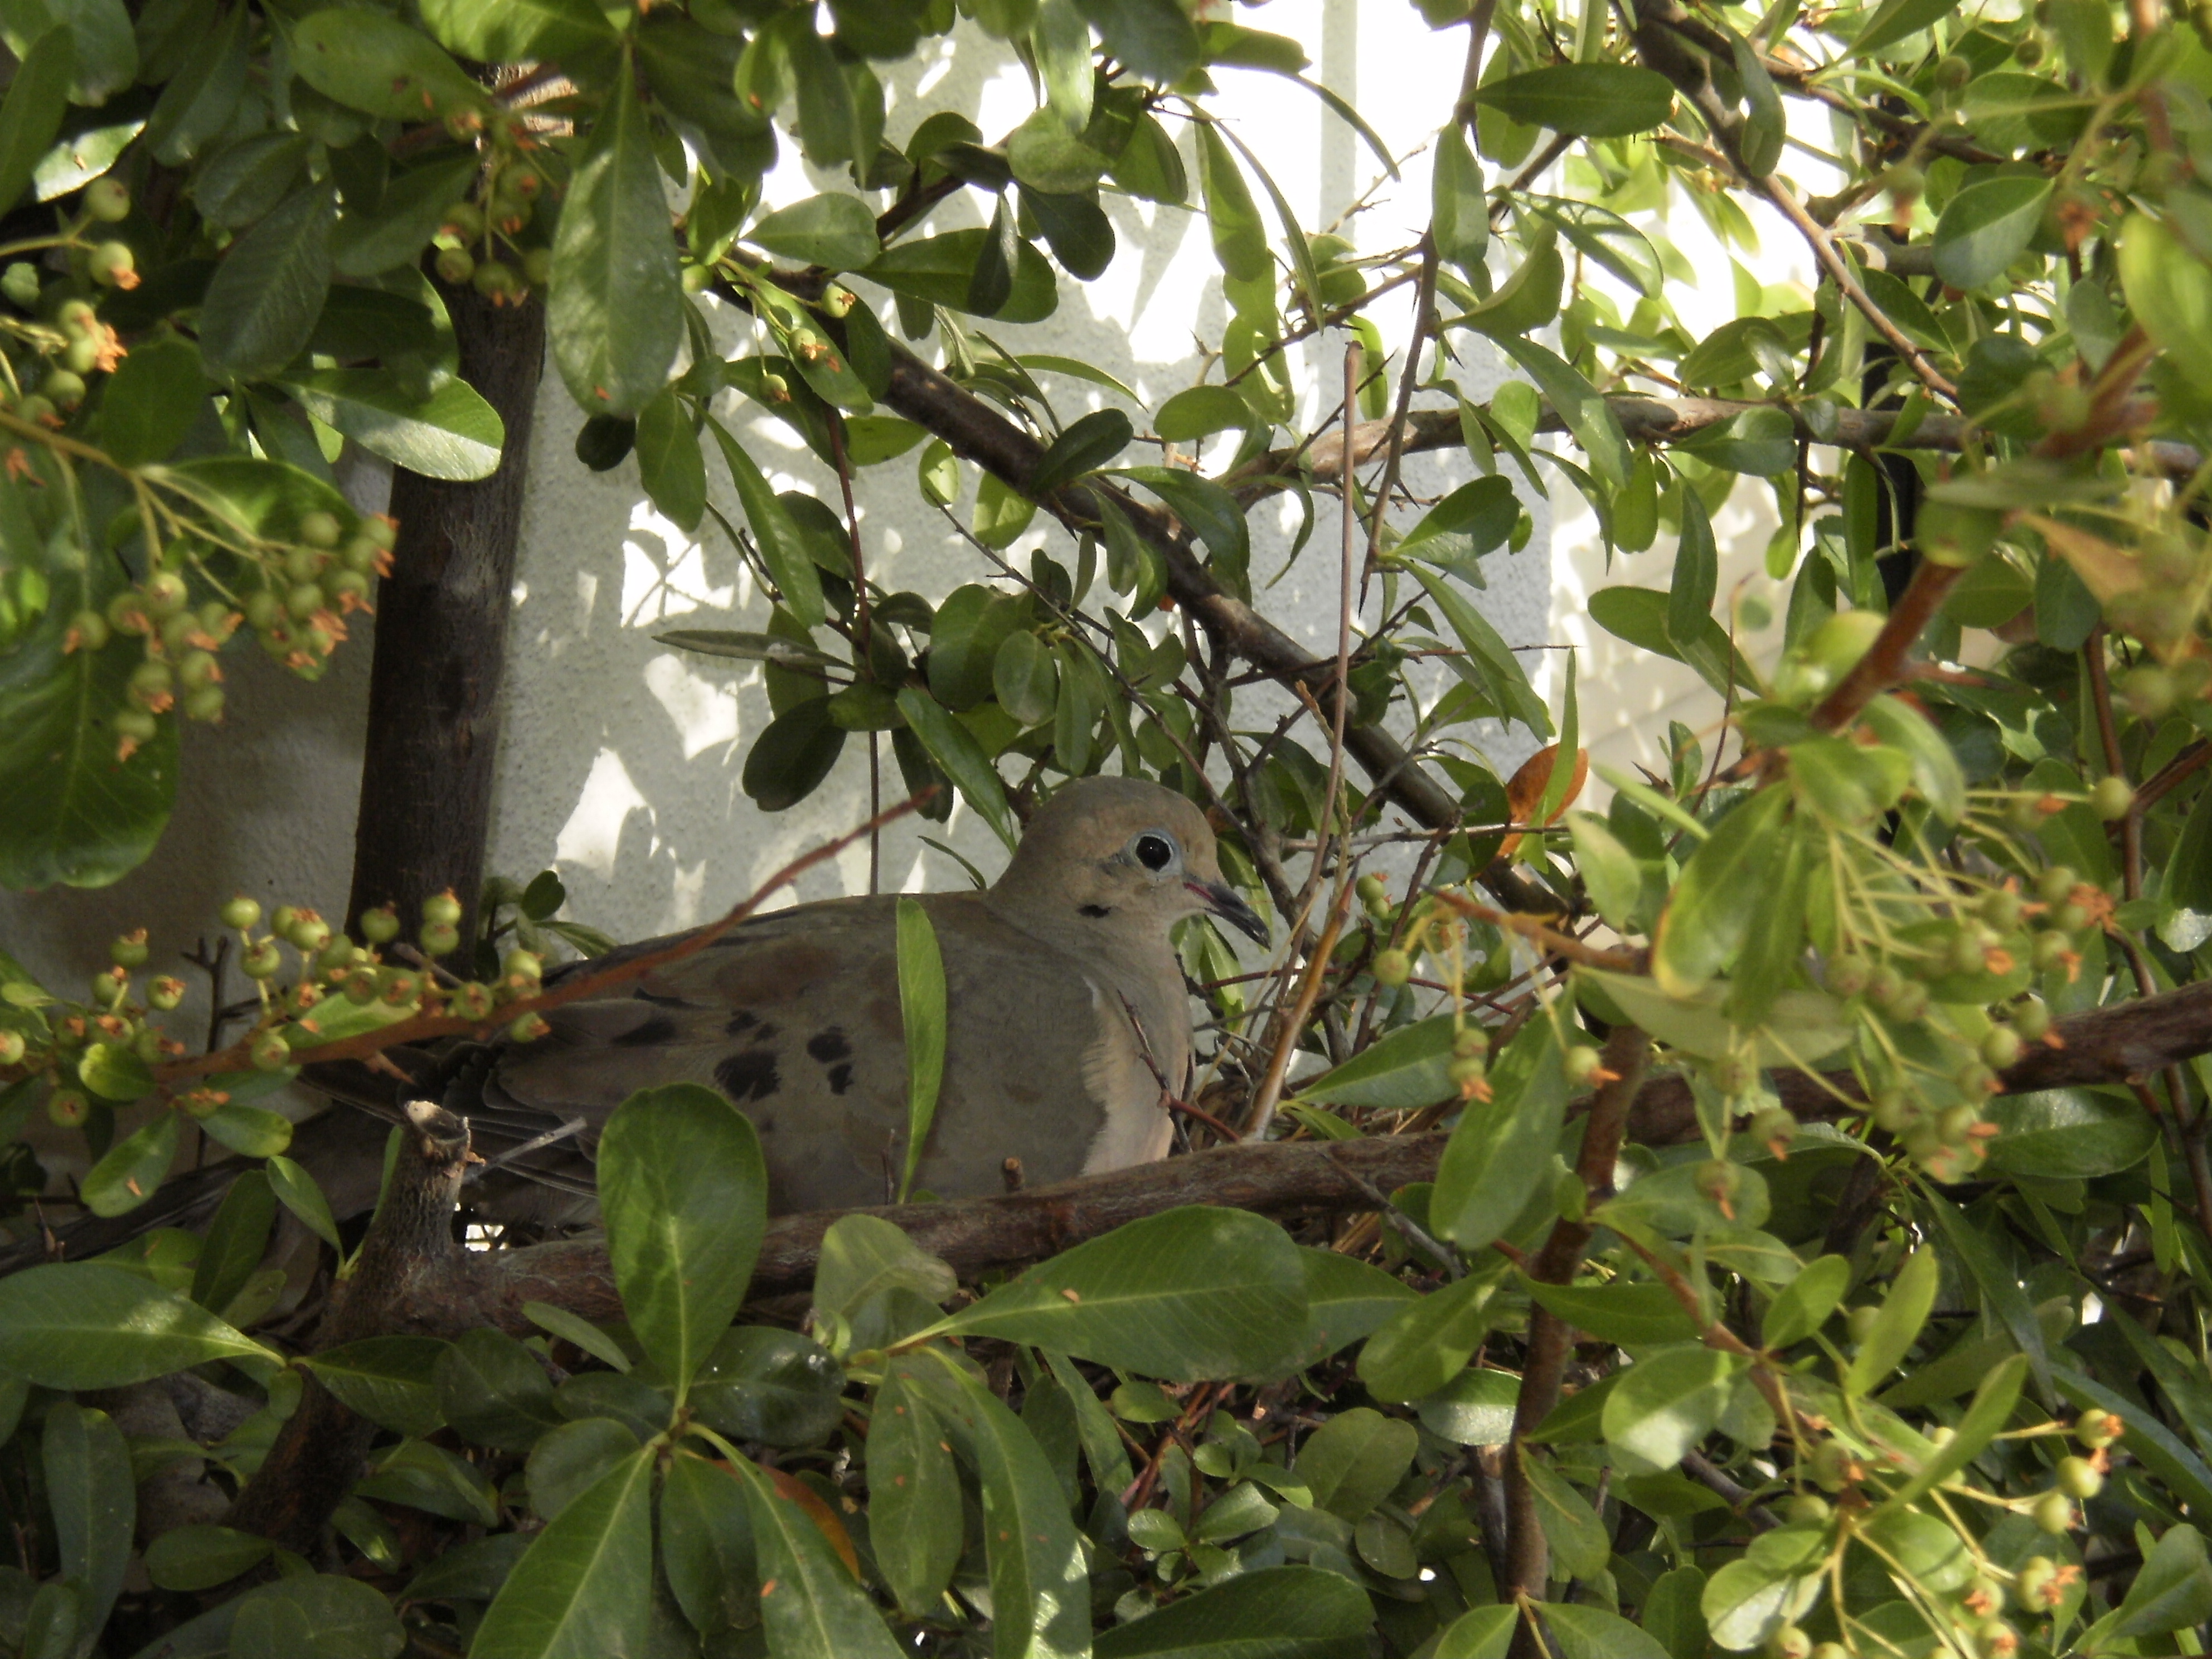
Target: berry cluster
{"type": "Point", "coordinates": [485, 239]}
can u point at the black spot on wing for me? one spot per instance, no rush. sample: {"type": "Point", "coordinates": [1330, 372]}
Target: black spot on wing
{"type": "Point", "coordinates": [765, 1034]}
{"type": "Point", "coordinates": [748, 1076]}
{"type": "Point", "coordinates": [829, 1045]}
{"type": "Point", "coordinates": [1095, 911]}
{"type": "Point", "coordinates": [740, 1023]}
{"type": "Point", "coordinates": [642, 994]}
{"type": "Point", "coordinates": [840, 1077]}
{"type": "Point", "coordinates": [650, 1035]}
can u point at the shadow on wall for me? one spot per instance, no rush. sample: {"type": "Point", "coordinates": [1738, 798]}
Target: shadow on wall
{"type": "Point", "coordinates": [621, 759]}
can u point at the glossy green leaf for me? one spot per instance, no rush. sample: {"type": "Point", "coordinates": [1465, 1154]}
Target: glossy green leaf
{"type": "Point", "coordinates": [1482, 1183]}
{"type": "Point", "coordinates": [1985, 1418]}
{"type": "Point", "coordinates": [1401, 1069]}
{"type": "Point", "coordinates": [1095, 440]}
{"type": "Point", "coordinates": [1024, 679]}
{"type": "Point", "coordinates": [1628, 1315]}
{"type": "Point", "coordinates": [585, 1589]}
{"type": "Point", "coordinates": [1803, 1305]}
{"type": "Point", "coordinates": [913, 1497]}
{"type": "Point", "coordinates": [1459, 206]}
{"type": "Point", "coordinates": [940, 268]}
{"type": "Point", "coordinates": [493, 1390]}
{"type": "Point", "coordinates": [235, 1240]}
{"type": "Point", "coordinates": [316, 1616]}
{"type": "Point", "coordinates": [86, 1325]}
{"type": "Point", "coordinates": [1240, 240]}
{"type": "Point", "coordinates": [1903, 1310]}
{"type": "Point", "coordinates": [153, 399]}
{"type": "Point", "coordinates": [615, 315]}
{"type": "Point", "coordinates": [1487, 655]}
{"type": "Point", "coordinates": [1897, 19]}
{"type": "Point", "coordinates": [1580, 1546]}
{"type": "Point", "coordinates": [1592, 1633]}
{"type": "Point", "coordinates": [453, 434]}
{"type": "Point", "coordinates": [706, 1543]}
{"type": "Point", "coordinates": [1351, 1462]}
{"type": "Point", "coordinates": [2172, 1591]}
{"type": "Point", "coordinates": [1197, 412]}
{"type": "Point", "coordinates": [670, 463]}
{"type": "Point", "coordinates": [922, 1013]}
{"type": "Point", "coordinates": [390, 1380]}
{"type": "Point", "coordinates": [1424, 1344]}
{"type": "Point", "coordinates": [684, 1193]}
{"type": "Point", "coordinates": [1154, 38]}
{"type": "Point", "coordinates": [1190, 1293]}
{"type": "Point", "coordinates": [508, 31]}
{"type": "Point", "coordinates": [835, 231]}
{"type": "Point", "coordinates": [1696, 571]}
{"type": "Point", "coordinates": [1591, 100]}
{"type": "Point", "coordinates": [1485, 1632]}
{"type": "Point", "coordinates": [2169, 291]}
{"type": "Point", "coordinates": [1987, 226]}
{"type": "Point", "coordinates": [262, 304]}
{"type": "Point", "coordinates": [372, 62]}
{"type": "Point", "coordinates": [773, 531]}
{"type": "Point", "coordinates": [297, 1191]}
{"type": "Point", "coordinates": [132, 1167]}
{"type": "Point", "coordinates": [93, 1498]}
{"type": "Point", "coordinates": [1475, 1408]}
{"type": "Point", "coordinates": [1274, 1612]}
{"type": "Point", "coordinates": [1718, 894]}
{"type": "Point", "coordinates": [32, 114]}
{"type": "Point", "coordinates": [2069, 1134]}
{"type": "Point", "coordinates": [809, 1603]}
{"type": "Point", "coordinates": [1668, 1402]}
{"type": "Point", "coordinates": [199, 1557]}
{"type": "Point", "coordinates": [961, 758]}
{"type": "Point", "coordinates": [1588, 416]}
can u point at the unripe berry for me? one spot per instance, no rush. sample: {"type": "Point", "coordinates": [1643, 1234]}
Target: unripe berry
{"type": "Point", "coordinates": [401, 989]}
{"type": "Point", "coordinates": [464, 222]}
{"type": "Point", "coordinates": [271, 1053]}
{"type": "Point", "coordinates": [2077, 1477]}
{"type": "Point", "coordinates": [1847, 974]}
{"type": "Point", "coordinates": [2070, 918]}
{"type": "Point", "coordinates": [20, 283]}
{"type": "Point", "coordinates": [63, 387]}
{"type": "Point", "coordinates": [1579, 1063]}
{"type": "Point", "coordinates": [2112, 799]}
{"type": "Point", "coordinates": [538, 266]}
{"type": "Point", "coordinates": [150, 686]}
{"type": "Point", "coordinates": [68, 1109]}
{"type": "Point", "coordinates": [1467, 1072]}
{"type": "Point", "coordinates": [2097, 1428]}
{"type": "Point", "coordinates": [2148, 691]}
{"type": "Point", "coordinates": [147, 1044]}
{"type": "Point", "coordinates": [77, 317]}
{"type": "Point", "coordinates": [1470, 1041]}
{"type": "Point", "coordinates": [2047, 950]}
{"type": "Point", "coordinates": [523, 965]}
{"type": "Point", "coordinates": [320, 529]}
{"type": "Point", "coordinates": [382, 529]}
{"type": "Point", "coordinates": [439, 939]}
{"type": "Point", "coordinates": [527, 1027]}
{"type": "Point", "coordinates": [495, 280]}
{"type": "Point", "coordinates": [135, 723]}
{"type": "Point", "coordinates": [456, 265]}
{"type": "Point", "coordinates": [129, 949]}
{"type": "Point", "coordinates": [1373, 891]}
{"type": "Point", "coordinates": [1789, 1643]}
{"type": "Point", "coordinates": [837, 300]}
{"type": "Point", "coordinates": [108, 200]}
{"type": "Point", "coordinates": [1891, 1110]}
{"type": "Point", "coordinates": [165, 594]}
{"type": "Point", "coordinates": [2001, 1047]}
{"type": "Point", "coordinates": [80, 356]}
{"type": "Point", "coordinates": [281, 920]}
{"type": "Point", "coordinates": [1830, 1466]}
{"type": "Point", "coordinates": [359, 988]}
{"type": "Point", "coordinates": [11, 1047]}
{"type": "Point", "coordinates": [308, 932]}
{"type": "Point", "coordinates": [1392, 968]}
{"type": "Point", "coordinates": [165, 992]}
{"type": "Point", "coordinates": [240, 912]}
{"type": "Point", "coordinates": [471, 1000]}
{"type": "Point", "coordinates": [2031, 1018]}
{"type": "Point", "coordinates": [260, 610]}
{"type": "Point", "coordinates": [1718, 1180]}
{"type": "Point", "coordinates": [200, 1105]}
{"type": "Point", "coordinates": [303, 601]}
{"type": "Point", "coordinates": [379, 926]}
{"type": "Point", "coordinates": [2056, 882]}
{"type": "Point", "coordinates": [2054, 1513]}
{"type": "Point", "coordinates": [1909, 1003]}
{"type": "Point", "coordinates": [1859, 1322]}
{"type": "Point", "coordinates": [88, 631]}
{"type": "Point", "coordinates": [111, 265]}
{"type": "Point", "coordinates": [442, 908]}
{"type": "Point", "coordinates": [38, 410]}
{"type": "Point", "coordinates": [262, 961]}
{"type": "Point", "coordinates": [1805, 1509]}
{"type": "Point", "coordinates": [2001, 908]}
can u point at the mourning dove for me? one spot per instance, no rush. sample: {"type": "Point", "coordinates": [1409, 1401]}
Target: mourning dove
{"type": "Point", "coordinates": [1068, 1015]}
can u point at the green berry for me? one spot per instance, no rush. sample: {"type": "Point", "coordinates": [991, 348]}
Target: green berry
{"type": "Point", "coordinates": [39, 411]}
{"type": "Point", "coordinates": [538, 266]}
{"type": "Point", "coordinates": [1392, 968]}
{"type": "Point", "coordinates": [1847, 974]}
{"type": "Point", "coordinates": [2097, 1428]}
{"type": "Point", "coordinates": [89, 630]}
{"type": "Point", "coordinates": [1859, 1322]}
{"type": "Point", "coordinates": [1775, 1124]}
{"type": "Point", "coordinates": [442, 908]}
{"type": "Point", "coordinates": [320, 529]}
{"type": "Point", "coordinates": [2033, 1586]}
{"type": "Point", "coordinates": [1470, 1042]}
{"type": "Point", "coordinates": [304, 564]}
{"type": "Point", "coordinates": [11, 1047]}
{"type": "Point", "coordinates": [111, 265]}
{"type": "Point", "coordinates": [1891, 1110]}
{"type": "Point", "coordinates": [382, 529]}
{"type": "Point", "coordinates": [2078, 1477]}
{"type": "Point", "coordinates": [151, 685]}
{"type": "Point", "coordinates": [1789, 1643]}
{"type": "Point", "coordinates": [2112, 799]}
{"type": "Point", "coordinates": [1719, 1179]}
{"type": "Point", "coordinates": [2055, 884]}
{"type": "Point", "coordinates": [2148, 691]}
{"type": "Point", "coordinates": [269, 1052]}
{"type": "Point", "coordinates": [1805, 1509]}
{"type": "Point", "coordinates": [262, 961]}
{"type": "Point", "coordinates": [204, 703]}
{"type": "Point", "coordinates": [2001, 908]}
{"type": "Point", "coordinates": [1579, 1063]}
{"type": "Point", "coordinates": [68, 1109]}
{"type": "Point", "coordinates": [2031, 1018]}
{"type": "Point", "coordinates": [63, 388]}
{"type": "Point", "coordinates": [165, 594]}
{"type": "Point", "coordinates": [2070, 918]}
{"type": "Point", "coordinates": [495, 280]}
{"type": "Point", "coordinates": [524, 965]}
{"type": "Point", "coordinates": [360, 987]}
{"type": "Point", "coordinates": [527, 1027]}
{"type": "Point", "coordinates": [108, 200]}
{"type": "Point", "coordinates": [2054, 1513]}
{"type": "Point", "coordinates": [240, 912]}
{"type": "Point", "coordinates": [456, 265]}
{"type": "Point", "coordinates": [1467, 1072]}
{"type": "Point", "coordinates": [472, 1000]}
{"type": "Point", "coordinates": [439, 939]}
{"type": "Point", "coordinates": [400, 988]}
{"type": "Point", "coordinates": [303, 601]}
{"type": "Point", "coordinates": [308, 932]}
{"type": "Point", "coordinates": [20, 283]}
{"type": "Point", "coordinates": [2048, 950]}
{"type": "Point", "coordinates": [164, 993]}
{"type": "Point", "coordinates": [129, 949]}
{"type": "Point", "coordinates": [379, 926]}
{"type": "Point", "coordinates": [2001, 1047]}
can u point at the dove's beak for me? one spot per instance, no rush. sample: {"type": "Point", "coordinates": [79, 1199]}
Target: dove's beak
{"type": "Point", "coordinates": [1222, 901]}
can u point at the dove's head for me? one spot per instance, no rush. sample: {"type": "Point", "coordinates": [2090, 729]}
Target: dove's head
{"type": "Point", "coordinates": [1120, 853]}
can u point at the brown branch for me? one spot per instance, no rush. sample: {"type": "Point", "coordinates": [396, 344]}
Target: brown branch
{"type": "Point", "coordinates": [1884, 664]}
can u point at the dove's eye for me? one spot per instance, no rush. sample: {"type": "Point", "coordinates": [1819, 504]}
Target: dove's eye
{"type": "Point", "coordinates": [1153, 852]}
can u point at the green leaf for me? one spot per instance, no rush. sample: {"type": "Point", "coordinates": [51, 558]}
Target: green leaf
{"type": "Point", "coordinates": [1459, 206]}
{"type": "Point", "coordinates": [1207, 510]}
{"type": "Point", "coordinates": [1475, 1408]}
{"type": "Point", "coordinates": [1240, 240]}
{"type": "Point", "coordinates": [1201, 411]}
{"type": "Point", "coordinates": [407, 216]}
{"type": "Point", "coordinates": [2169, 291]}
{"type": "Point", "coordinates": [85, 1325]}
{"type": "Point", "coordinates": [1588, 1633]}
{"type": "Point", "coordinates": [1580, 1546]}
{"type": "Point", "coordinates": [1747, 1600]}
{"type": "Point", "coordinates": [264, 297]}
{"type": "Point", "coordinates": [373, 63]}
{"type": "Point", "coordinates": [1994, 1275]}
{"type": "Point", "coordinates": [1155, 39]}
{"type": "Point", "coordinates": [2069, 1134]}
{"type": "Point", "coordinates": [707, 1542]}
{"type": "Point", "coordinates": [1639, 615]}
{"type": "Point", "coordinates": [773, 529]}
{"type": "Point", "coordinates": [777, 1387]}
{"type": "Point", "coordinates": [1627, 1315]}
{"type": "Point", "coordinates": [1803, 1305]}
{"type": "Point", "coordinates": [1274, 1612]}
{"type": "Point", "coordinates": [493, 1391]}
{"type": "Point", "coordinates": [585, 1589]}
{"type": "Point", "coordinates": [1024, 679]}
{"type": "Point", "coordinates": [1085, 446]}
{"type": "Point", "coordinates": [1668, 1402]}
{"type": "Point", "coordinates": [152, 400]}
{"type": "Point", "coordinates": [390, 1380]}
{"type": "Point", "coordinates": [1485, 1632]}
{"type": "Point", "coordinates": [684, 1195]}
{"type": "Point", "coordinates": [1482, 1183]}
{"type": "Point", "coordinates": [1937, 774]}
{"type": "Point", "coordinates": [453, 434]}
{"type": "Point", "coordinates": [913, 1497]}
{"type": "Point", "coordinates": [32, 114]}
{"type": "Point", "coordinates": [1527, 300]}
{"type": "Point", "coordinates": [2154, 1445]}
{"type": "Point", "coordinates": [199, 1557]}
{"type": "Point", "coordinates": [297, 1191]}
{"type": "Point", "coordinates": [1491, 659]}
{"type": "Point", "coordinates": [1610, 872]}
{"type": "Point", "coordinates": [815, 1610]}
{"type": "Point", "coordinates": [669, 462]}
{"type": "Point", "coordinates": [1987, 226]}
{"type": "Point", "coordinates": [1717, 894]}
{"type": "Point", "coordinates": [1399, 1070]}
{"type": "Point", "coordinates": [1896, 20]}
{"type": "Point", "coordinates": [132, 1167]}
{"type": "Point", "coordinates": [1985, 1419]}
{"type": "Point", "coordinates": [2171, 1591]}
{"type": "Point", "coordinates": [94, 1497]}
{"type": "Point", "coordinates": [1354, 1460]}
{"type": "Point", "coordinates": [1040, 1586]}
{"type": "Point", "coordinates": [960, 757]}
{"type": "Point", "coordinates": [838, 232]}
{"type": "Point", "coordinates": [1590, 418]}
{"type": "Point", "coordinates": [235, 1241]}
{"type": "Point", "coordinates": [510, 30]}
{"type": "Point", "coordinates": [615, 312]}
{"type": "Point", "coordinates": [863, 1255]}
{"type": "Point", "coordinates": [1047, 157]}
{"type": "Point", "coordinates": [1424, 1344]}
{"type": "Point", "coordinates": [1696, 571]}
{"type": "Point", "coordinates": [1590, 100]}
{"type": "Point", "coordinates": [1190, 1293]}
{"type": "Point", "coordinates": [318, 1616]}
{"type": "Point", "coordinates": [922, 1012]}
{"type": "Point", "coordinates": [1896, 1325]}
{"type": "Point", "coordinates": [113, 1072]}
{"type": "Point", "coordinates": [940, 268]}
